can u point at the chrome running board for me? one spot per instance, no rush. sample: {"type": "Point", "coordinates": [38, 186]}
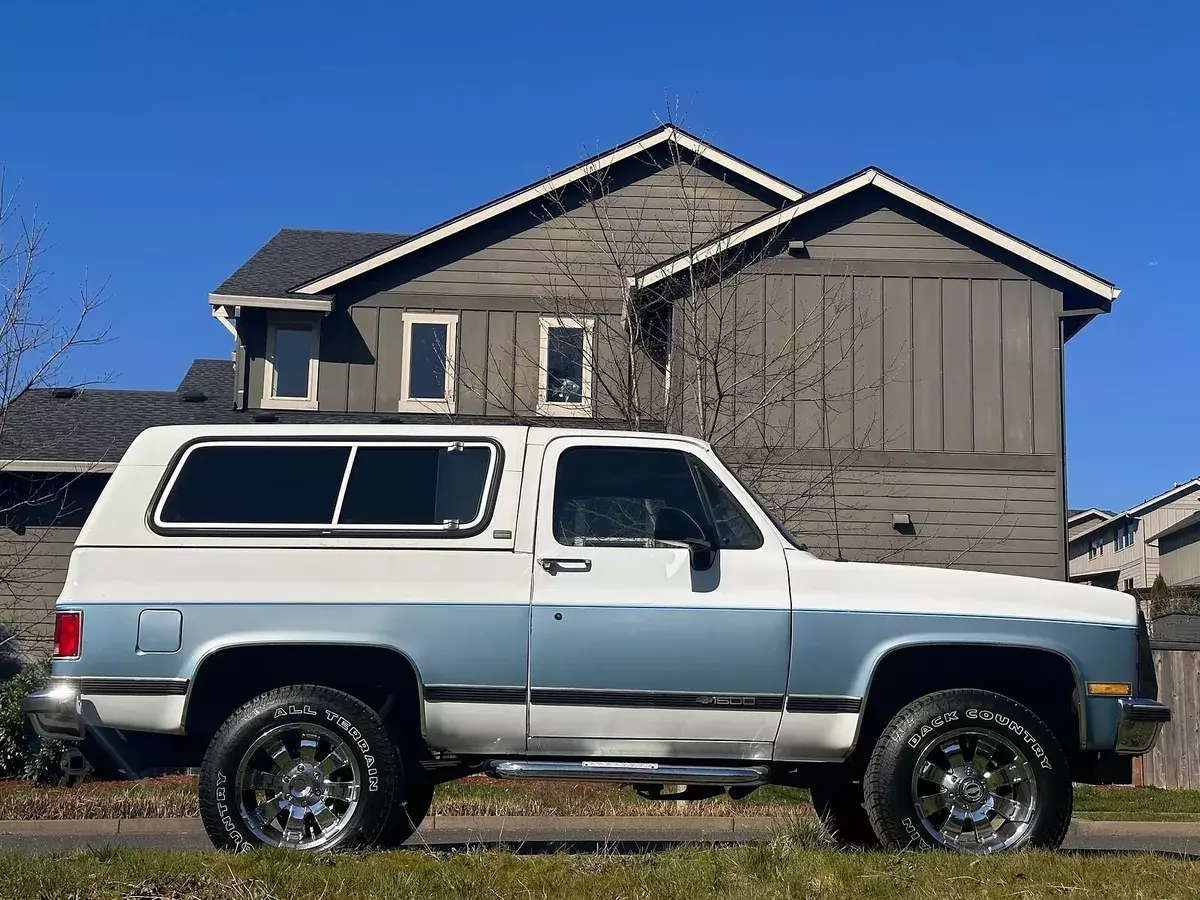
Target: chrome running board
{"type": "Point", "coordinates": [626, 772]}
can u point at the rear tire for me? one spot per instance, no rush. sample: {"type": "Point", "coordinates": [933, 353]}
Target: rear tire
{"type": "Point", "coordinates": [839, 806]}
{"type": "Point", "coordinates": [406, 816]}
{"type": "Point", "coordinates": [969, 771]}
{"type": "Point", "coordinates": [302, 767]}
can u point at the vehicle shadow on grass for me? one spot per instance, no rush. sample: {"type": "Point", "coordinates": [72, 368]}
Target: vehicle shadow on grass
{"type": "Point", "coordinates": [637, 848]}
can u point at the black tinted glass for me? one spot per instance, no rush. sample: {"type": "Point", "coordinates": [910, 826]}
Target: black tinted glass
{"type": "Point", "coordinates": [564, 365]}
{"type": "Point", "coordinates": [606, 496]}
{"type": "Point", "coordinates": [427, 367]}
{"type": "Point", "coordinates": [260, 485]}
{"type": "Point", "coordinates": [415, 485]}
{"type": "Point", "coordinates": [734, 529]}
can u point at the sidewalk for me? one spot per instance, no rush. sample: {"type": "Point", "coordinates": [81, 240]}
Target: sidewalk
{"type": "Point", "coordinates": [438, 830]}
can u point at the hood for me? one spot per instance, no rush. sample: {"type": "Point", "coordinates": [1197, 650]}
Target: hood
{"type": "Point", "coordinates": [877, 587]}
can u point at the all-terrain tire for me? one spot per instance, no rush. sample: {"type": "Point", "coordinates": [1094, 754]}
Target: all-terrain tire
{"type": "Point", "coordinates": [974, 718]}
{"type": "Point", "coordinates": [300, 709]}
{"type": "Point", "coordinates": [839, 805]}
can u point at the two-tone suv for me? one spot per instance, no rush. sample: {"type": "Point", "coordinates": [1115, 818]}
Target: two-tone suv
{"type": "Point", "coordinates": [334, 619]}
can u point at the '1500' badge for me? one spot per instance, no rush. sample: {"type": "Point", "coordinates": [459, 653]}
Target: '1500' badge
{"type": "Point", "coordinates": [725, 701]}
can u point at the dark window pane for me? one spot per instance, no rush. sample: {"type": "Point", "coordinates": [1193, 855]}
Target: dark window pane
{"type": "Point", "coordinates": [293, 347]}
{"type": "Point", "coordinates": [427, 365]}
{"type": "Point", "coordinates": [734, 529]}
{"type": "Point", "coordinates": [610, 495]}
{"type": "Point", "coordinates": [261, 485]}
{"type": "Point", "coordinates": [415, 485]}
{"type": "Point", "coordinates": [564, 365]}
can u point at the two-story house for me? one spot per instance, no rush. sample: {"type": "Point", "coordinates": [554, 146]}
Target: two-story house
{"type": "Point", "coordinates": [1127, 550]}
{"type": "Point", "coordinates": [883, 367]}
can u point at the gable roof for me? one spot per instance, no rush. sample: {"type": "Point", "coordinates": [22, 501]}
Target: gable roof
{"type": "Point", "coordinates": [296, 255]}
{"type": "Point", "coordinates": [1074, 515]}
{"type": "Point", "coordinates": [869, 177]}
{"type": "Point", "coordinates": [1135, 511]}
{"type": "Point", "coordinates": [337, 274]}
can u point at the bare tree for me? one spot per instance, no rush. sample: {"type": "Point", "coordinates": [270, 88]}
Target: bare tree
{"type": "Point", "coordinates": [787, 385]}
{"type": "Point", "coordinates": [38, 336]}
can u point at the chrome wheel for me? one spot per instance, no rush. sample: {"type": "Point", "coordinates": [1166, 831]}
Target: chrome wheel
{"type": "Point", "coordinates": [297, 786]}
{"type": "Point", "coordinates": [975, 792]}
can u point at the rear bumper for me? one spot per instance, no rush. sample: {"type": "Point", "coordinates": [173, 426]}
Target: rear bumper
{"type": "Point", "coordinates": [1139, 722]}
{"type": "Point", "coordinates": [54, 712]}
{"type": "Point", "coordinates": [67, 707]}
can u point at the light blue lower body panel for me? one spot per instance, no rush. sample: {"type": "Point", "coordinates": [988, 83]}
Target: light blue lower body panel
{"type": "Point", "coordinates": [836, 653]}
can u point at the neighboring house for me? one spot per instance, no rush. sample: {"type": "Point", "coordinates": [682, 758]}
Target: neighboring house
{"type": "Point", "coordinates": [1080, 520]}
{"type": "Point", "coordinates": [935, 436]}
{"type": "Point", "coordinates": [1125, 550]}
{"type": "Point", "coordinates": [1179, 551]}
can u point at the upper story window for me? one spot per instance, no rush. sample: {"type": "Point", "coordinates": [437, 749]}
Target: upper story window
{"type": "Point", "coordinates": [430, 347]}
{"type": "Point", "coordinates": [610, 496]}
{"type": "Point", "coordinates": [291, 365]}
{"type": "Point", "coordinates": [1095, 547]}
{"type": "Point", "coordinates": [330, 486]}
{"type": "Point", "coordinates": [1125, 535]}
{"type": "Point", "coordinates": [565, 367]}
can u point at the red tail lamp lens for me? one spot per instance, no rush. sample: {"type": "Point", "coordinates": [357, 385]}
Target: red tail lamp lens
{"type": "Point", "coordinates": [68, 634]}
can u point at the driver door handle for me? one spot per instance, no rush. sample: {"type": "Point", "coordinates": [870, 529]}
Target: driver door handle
{"type": "Point", "coordinates": [554, 566]}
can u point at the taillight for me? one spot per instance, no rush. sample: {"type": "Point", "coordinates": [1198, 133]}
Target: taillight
{"type": "Point", "coordinates": [68, 634]}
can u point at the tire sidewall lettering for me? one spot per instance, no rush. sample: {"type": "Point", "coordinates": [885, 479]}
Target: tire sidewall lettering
{"type": "Point", "coordinates": [335, 718]}
{"type": "Point", "coordinates": [226, 813]}
{"type": "Point", "coordinates": [1004, 724]}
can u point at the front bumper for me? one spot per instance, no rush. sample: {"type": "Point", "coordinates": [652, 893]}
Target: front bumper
{"type": "Point", "coordinates": [55, 712]}
{"type": "Point", "coordinates": [1138, 723]}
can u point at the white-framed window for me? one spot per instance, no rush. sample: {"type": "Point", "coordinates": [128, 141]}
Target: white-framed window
{"type": "Point", "coordinates": [565, 366]}
{"type": "Point", "coordinates": [430, 348]}
{"type": "Point", "coordinates": [291, 365]}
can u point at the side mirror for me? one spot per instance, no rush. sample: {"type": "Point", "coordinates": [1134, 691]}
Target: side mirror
{"type": "Point", "coordinates": [676, 527]}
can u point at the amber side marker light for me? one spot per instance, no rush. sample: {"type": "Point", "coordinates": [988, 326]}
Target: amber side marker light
{"type": "Point", "coordinates": [1109, 689]}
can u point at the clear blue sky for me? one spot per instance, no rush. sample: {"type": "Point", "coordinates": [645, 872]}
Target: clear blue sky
{"type": "Point", "coordinates": [164, 142]}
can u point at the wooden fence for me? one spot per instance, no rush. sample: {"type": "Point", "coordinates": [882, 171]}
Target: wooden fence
{"type": "Point", "coordinates": [1175, 760]}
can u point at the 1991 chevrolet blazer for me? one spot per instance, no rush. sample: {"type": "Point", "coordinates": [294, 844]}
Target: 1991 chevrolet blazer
{"type": "Point", "coordinates": [335, 619]}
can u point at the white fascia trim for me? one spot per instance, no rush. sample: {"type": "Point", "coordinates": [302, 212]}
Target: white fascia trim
{"type": "Point", "coordinates": [221, 314]}
{"type": "Point", "coordinates": [56, 465]}
{"type": "Point", "coordinates": [748, 232]}
{"type": "Point", "coordinates": [296, 304]}
{"type": "Point", "coordinates": [1084, 513]}
{"type": "Point", "coordinates": [1134, 511]}
{"type": "Point", "coordinates": [549, 185]}
{"type": "Point", "coordinates": [904, 192]}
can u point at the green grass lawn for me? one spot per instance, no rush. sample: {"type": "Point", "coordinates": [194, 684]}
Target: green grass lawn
{"type": "Point", "coordinates": [763, 872]}
{"type": "Point", "coordinates": [175, 797]}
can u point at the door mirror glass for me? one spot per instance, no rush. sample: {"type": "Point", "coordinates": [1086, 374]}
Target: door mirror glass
{"type": "Point", "coordinates": [676, 526]}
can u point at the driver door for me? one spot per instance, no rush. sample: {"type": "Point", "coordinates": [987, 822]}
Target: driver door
{"type": "Point", "coordinates": [633, 651]}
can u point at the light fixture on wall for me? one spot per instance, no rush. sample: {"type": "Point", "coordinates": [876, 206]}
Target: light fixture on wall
{"type": "Point", "coordinates": [903, 523]}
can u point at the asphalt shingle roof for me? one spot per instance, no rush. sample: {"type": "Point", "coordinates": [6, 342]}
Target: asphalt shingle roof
{"type": "Point", "coordinates": [98, 425]}
{"type": "Point", "coordinates": [297, 255]}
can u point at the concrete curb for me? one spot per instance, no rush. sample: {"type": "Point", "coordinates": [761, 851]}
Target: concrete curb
{"type": "Point", "coordinates": [548, 828]}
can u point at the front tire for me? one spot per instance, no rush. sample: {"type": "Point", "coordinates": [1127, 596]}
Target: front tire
{"type": "Point", "coordinates": [839, 806]}
{"type": "Point", "coordinates": [301, 767]}
{"type": "Point", "coordinates": [969, 771]}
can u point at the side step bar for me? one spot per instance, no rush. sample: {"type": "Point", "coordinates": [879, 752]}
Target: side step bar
{"type": "Point", "coordinates": [626, 772]}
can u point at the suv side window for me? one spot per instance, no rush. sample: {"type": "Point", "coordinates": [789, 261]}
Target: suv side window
{"type": "Point", "coordinates": [610, 496]}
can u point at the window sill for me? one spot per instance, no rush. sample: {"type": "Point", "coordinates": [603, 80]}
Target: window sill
{"type": "Point", "coordinates": [444, 407]}
{"type": "Point", "coordinates": [288, 403]}
{"type": "Point", "coordinates": [564, 410]}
